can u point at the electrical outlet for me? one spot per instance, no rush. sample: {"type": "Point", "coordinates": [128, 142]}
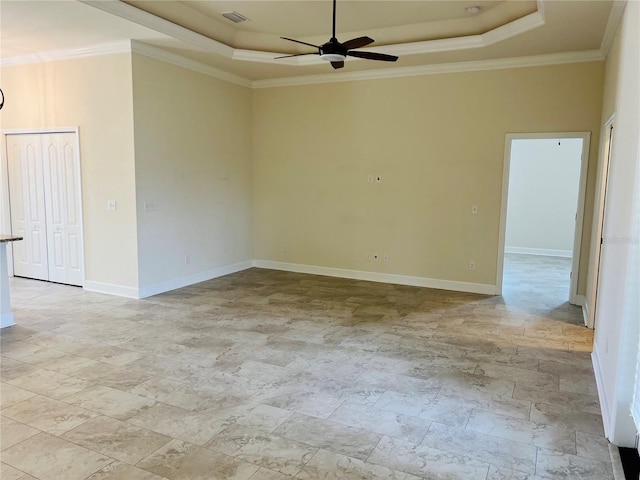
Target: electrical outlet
{"type": "Point", "coordinates": [368, 257]}
{"type": "Point", "coordinates": [187, 259]}
{"type": "Point", "coordinates": [370, 179]}
{"type": "Point", "coordinates": [474, 209]}
{"type": "Point", "coordinates": [151, 206]}
{"type": "Point", "coordinates": [385, 258]}
{"type": "Point", "coordinates": [111, 205]}
{"type": "Point", "coordinates": [472, 265]}
{"type": "Point", "coordinates": [285, 249]}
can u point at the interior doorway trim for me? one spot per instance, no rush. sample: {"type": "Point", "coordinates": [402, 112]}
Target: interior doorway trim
{"type": "Point", "coordinates": [598, 219]}
{"type": "Point", "coordinates": [5, 211]}
{"type": "Point", "coordinates": [577, 240]}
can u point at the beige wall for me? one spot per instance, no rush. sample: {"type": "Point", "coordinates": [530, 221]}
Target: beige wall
{"type": "Point", "coordinates": [616, 323]}
{"type": "Point", "coordinates": [94, 94]}
{"type": "Point", "coordinates": [193, 159]}
{"type": "Point", "coordinates": [438, 142]}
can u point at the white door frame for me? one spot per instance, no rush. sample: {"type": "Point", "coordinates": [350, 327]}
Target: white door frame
{"type": "Point", "coordinates": [5, 213]}
{"type": "Point", "coordinates": [577, 240]}
{"type": "Point", "coordinates": [598, 222]}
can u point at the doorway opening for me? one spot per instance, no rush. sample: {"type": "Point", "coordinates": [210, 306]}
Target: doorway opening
{"type": "Point", "coordinates": [544, 183]}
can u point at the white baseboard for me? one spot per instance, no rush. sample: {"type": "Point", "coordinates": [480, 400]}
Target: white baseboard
{"type": "Point", "coordinates": [539, 251]}
{"type": "Point", "coordinates": [175, 283]}
{"type": "Point", "coordinates": [111, 289]}
{"type": "Point", "coordinates": [605, 408]}
{"type": "Point", "coordinates": [6, 320]}
{"type": "Point", "coordinates": [481, 288]}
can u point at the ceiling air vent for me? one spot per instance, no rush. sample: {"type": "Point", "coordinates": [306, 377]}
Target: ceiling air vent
{"type": "Point", "coordinates": [235, 17]}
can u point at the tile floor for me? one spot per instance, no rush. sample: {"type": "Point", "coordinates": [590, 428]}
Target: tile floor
{"type": "Point", "coordinates": [268, 375]}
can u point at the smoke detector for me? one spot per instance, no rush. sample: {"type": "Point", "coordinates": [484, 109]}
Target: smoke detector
{"type": "Point", "coordinates": [235, 17]}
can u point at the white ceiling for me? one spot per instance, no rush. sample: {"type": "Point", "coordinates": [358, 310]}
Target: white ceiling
{"type": "Point", "coordinates": [422, 33]}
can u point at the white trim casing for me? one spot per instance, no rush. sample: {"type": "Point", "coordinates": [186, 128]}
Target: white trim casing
{"type": "Point", "coordinates": [606, 140]}
{"type": "Point", "coordinates": [605, 408]}
{"type": "Point", "coordinates": [479, 288]}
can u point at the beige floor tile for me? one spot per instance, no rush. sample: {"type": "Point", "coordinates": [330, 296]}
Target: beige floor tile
{"type": "Point", "coordinates": [48, 415]}
{"type": "Point", "coordinates": [297, 400]}
{"type": "Point", "coordinates": [498, 451]}
{"type": "Point", "coordinates": [486, 401]}
{"type": "Point", "coordinates": [10, 368]}
{"type": "Point", "coordinates": [256, 415]}
{"type": "Point", "coordinates": [502, 473]}
{"type": "Point", "coordinates": [190, 397]}
{"type": "Point", "coordinates": [333, 466]}
{"type": "Point", "coordinates": [121, 471]}
{"type": "Point", "coordinates": [382, 422]}
{"type": "Point", "coordinates": [112, 355]}
{"type": "Point", "coordinates": [179, 423]}
{"type": "Point", "coordinates": [592, 446]}
{"type": "Point", "coordinates": [427, 462]}
{"type": "Point", "coordinates": [573, 401]}
{"type": "Point", "coordinates": [110, 401]}
{"type": "Point", "coordinates": [52, 384]}
{"type": "Point", "coordinates": [565, 417]}
{"type": "Point", "coordinates": [57, 459]}
{"type": "Point", "coordinates": [122, 378]}
{"type": "Point", "coordinates": [7, 472]}
{"type": "Point", "coordinates": [551, 464]}
{"type": "Point", "coordinates": [548, 381]}
{"type": "Point", "coordinates": [266, 474]}
{"type": "Point", "coordinates": [524, 431]}
{"type": "Point", "coordinates": [266, 450]}
{"type": "Point", "coordinates": [12, 432]}
{"type": "Point", "coordinates": [10, 394]}
{"type": "Point", "coordinates": [180, 460]}
{"type": "Point", "coordinates": [123, 441]}
{"type": "Point", "coordinates": [330, 436]}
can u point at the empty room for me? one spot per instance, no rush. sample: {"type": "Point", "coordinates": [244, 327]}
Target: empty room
{"type": "Point", "coordinates": [324, 239]}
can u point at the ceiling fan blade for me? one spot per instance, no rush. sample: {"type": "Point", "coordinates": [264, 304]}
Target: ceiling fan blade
{"type": "Point", "coordinates": [357, 43]}
{"type": "Point", "coordinates": [296, 55]}
{"type": "Point", "coordinates": [373, 56]}
{"type": "Point", "coordinates": [298, 41]}
{"type": "Point", "coordinates": [337, 65]}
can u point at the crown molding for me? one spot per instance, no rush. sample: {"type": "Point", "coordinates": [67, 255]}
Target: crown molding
{"type": "Point", "coordinates": [123, 46]}
{"type": "Point", "coordinates": [135, 15]}
{"type": "Point", "coordinates": [179, 60]}
{"type": "Point", "coordinates": [498, 64]}
{"type": "Point", "coordinates": [617, 9]}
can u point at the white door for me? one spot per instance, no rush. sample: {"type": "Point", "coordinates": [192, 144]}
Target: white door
{"type": "Point", "coordinates": [64, 246]}
{"type": "Point", "coordinates": [45, 198]}
{"type": "Point", "coordinates": [26, 195]}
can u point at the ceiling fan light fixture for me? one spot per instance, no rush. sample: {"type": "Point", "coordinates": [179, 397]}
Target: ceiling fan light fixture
{"type": "Point", "coordinates": [333, 57]}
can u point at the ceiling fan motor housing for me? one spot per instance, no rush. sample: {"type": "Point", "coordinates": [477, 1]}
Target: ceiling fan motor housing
{"type": "Point", "coordinates": [333, 51]}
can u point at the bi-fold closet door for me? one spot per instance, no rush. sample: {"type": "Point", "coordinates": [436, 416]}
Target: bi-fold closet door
{"type": "Point", "coordinates": [45, 203]}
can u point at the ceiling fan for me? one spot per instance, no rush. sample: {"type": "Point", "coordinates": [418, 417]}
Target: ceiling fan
{"type": "Point", "coordinates": [335, 52]}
